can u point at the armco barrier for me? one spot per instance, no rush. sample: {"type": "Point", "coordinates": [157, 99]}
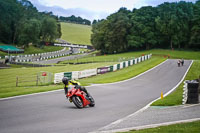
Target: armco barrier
{"type": "Point", "coordinates": [111, 68]}
{"type": "Point", "coordinates": [103, 70]}
{"type": "Point", "coordinates": [58, 77]}
{"type": "Point", "coordinates": [115, 67]}
{"type": "Point", "coordinates": [87, 73]}
{"type": "Point", "coordinates": [68, 75]}
{"type": "Point", "coordinates": [91, 72]}
{"type": "Point", "coordinates": [136, 61]}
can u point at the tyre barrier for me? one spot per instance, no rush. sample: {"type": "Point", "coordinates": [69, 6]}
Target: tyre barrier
{"type": "Point", "coordinates": [191, 92]}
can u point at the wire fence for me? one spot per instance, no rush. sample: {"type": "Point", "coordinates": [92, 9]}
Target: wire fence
{"type": "Point", "coordinates": [42, 78]}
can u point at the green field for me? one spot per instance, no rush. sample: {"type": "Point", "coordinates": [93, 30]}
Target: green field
{"type": "Point", "coordinates": [76, 33]}
{"type": "Point", "coordinates": [8, 76]}
{"type": "Point", "coordinates": [123, 74]}
{"type": "Point", "coordinates": [126, 56]}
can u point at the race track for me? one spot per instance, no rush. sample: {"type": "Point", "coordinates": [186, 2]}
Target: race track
{"type": "Point", "coordinates": [51, 112]}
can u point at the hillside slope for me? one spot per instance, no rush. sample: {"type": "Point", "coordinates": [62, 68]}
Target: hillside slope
{"type": "Point", "coordinates": [76, 33]}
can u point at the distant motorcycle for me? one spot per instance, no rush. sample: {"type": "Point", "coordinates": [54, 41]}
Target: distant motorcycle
{"type": "Point", "coordinates": [79, 98]}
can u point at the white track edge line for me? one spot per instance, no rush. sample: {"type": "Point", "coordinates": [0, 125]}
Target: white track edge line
{"type": "Point", "coordinates": [26, 95]}
{"type": "Point", "coordinates": [130, 78]}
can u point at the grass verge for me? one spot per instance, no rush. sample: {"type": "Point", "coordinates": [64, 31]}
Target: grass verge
{"type": "Point", "coordinates": [175, 54]}
{"type": "Point", "coordinates": [175, 98]}
{"type": "Point", "coordinates": [191, 127]}
{"type": "Point", "coordinates": [8, 76]}
{"type": "Point", "coordinates": [123, 74]}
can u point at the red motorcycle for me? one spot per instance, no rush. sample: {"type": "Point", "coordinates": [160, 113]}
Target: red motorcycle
{"type": "Point", "coordinates": [79, 98]}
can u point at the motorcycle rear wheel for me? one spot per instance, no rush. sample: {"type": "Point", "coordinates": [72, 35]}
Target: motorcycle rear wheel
{"type": "Point", "coordinates": [77, 101]}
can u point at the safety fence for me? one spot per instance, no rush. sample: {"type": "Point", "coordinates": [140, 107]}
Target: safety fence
{"type": "Point", "coordinates": [92, 72]}
{"type": "Point", "coordinates": [39, 56]}
{"type": "Point", "coordinates": [71, 45]}
{"type": "Point", "coordinates": [73, 49]}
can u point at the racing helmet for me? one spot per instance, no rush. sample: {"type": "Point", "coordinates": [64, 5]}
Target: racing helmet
{"type": "Point", "coordinates": [65, 80]}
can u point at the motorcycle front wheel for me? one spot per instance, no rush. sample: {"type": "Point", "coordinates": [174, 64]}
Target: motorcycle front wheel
{"type": "Point", "coordinates": [77, 101]}
{"type": "Point", "coordinates": [92, 102]}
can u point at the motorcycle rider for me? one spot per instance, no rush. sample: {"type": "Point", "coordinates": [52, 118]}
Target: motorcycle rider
{"type": "Point", "coordinates": [77, 85]}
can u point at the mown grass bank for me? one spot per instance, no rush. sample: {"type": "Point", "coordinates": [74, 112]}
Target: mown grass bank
{"type": "Point", "coordinates": [123, 74]}
{"type": "Point", "coordinates": [175, 54]}
{"type": "Point", "coordinates": [8, 78]}
{"type": "Point", "coordinates": [76, 33]}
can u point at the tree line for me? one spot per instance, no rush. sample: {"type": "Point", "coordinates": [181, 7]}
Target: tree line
{"type": "Point", "coordinates": [22, 24]}
{"type": "Point", "coordinates": [74, 19]}
{"type": "Point", "coordinates": [168, 25]}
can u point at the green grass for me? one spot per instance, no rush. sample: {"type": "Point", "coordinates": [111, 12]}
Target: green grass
{"type": "Point", "coordinates": [175, 98]}
{"type": "Point", "coordinates": [195, 55]}
{"type": "Point", "coordinates": [123, 74]}
{"type": "Point", "coordinates": [8, 78]}
{"type": "Point", "coordinates": [107, 58]}
{"type": "Point", "coordinates": [76, 33]}
{"type": "Point", "coordinates": [191, 127]}
{"type": "Point", "coordinates": [35, 50]}
{"type": "Point", "coordinates": [129, 55]}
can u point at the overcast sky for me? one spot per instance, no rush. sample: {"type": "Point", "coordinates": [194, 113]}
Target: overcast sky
{"type": "Point", "coordinates": [92, 9]}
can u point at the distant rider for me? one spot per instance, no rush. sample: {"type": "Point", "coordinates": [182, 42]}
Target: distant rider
{"type": "Point", "coordinates": [68, 82]}
{"type": "Point", "coordinates": [182, 61]}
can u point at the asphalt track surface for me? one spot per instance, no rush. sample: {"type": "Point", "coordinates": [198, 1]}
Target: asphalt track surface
{"type": "Point", "coordinates": [51, 112]}
{"type": "Point", "coordinates": [56, 60]}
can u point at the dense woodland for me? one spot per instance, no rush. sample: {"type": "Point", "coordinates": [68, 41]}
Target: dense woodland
{"type": "Point", "coordinates": [22, 24]}
{"type": "Point", "coordinates": [74, 19]}
{"type": "Point", "coordinates": [169, 25]}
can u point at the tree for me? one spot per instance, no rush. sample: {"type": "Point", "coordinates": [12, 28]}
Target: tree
{"type": "Point", "coordinates": [166, 21]}
{"type": "Point", "coordinates": [112, 33]}
{"type": "Point", "coordinates": [30, 32]}
{"type": "Point", "coordinates": [49, 30]}
{"type": "Point", "coordinates": [20, 23]}
{"type": "Point", "coordinates": [74, 19]}
{"type": "Point", "coordinates": [143, 31]}
{"type": "Point", "coordinates": [98, 35]}
{"type": "Point", "coordinates": [195, 30]}
{"type": "Point", "coordinates": [94, 21]}
{"type": "Point", "coordinates": [174, 22]}
{"type": "Point", "coordinates": [9, 15]}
